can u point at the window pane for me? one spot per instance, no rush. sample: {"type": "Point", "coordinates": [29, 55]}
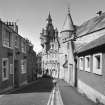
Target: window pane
{"type": "Point", "coordinates": [4, 63]}
{"type": "Point", "coordinates": [88, 62]}
{"type": "Point", "coordinates": [98, 62]}
{"type": "Point", "coordinates": [81, 62]}
{"type": "Point", "coordinates": [4, 68]}
{"type": "Point", "coordinates": [4, 73]}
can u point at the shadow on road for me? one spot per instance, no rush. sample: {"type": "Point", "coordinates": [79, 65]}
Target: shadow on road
{"type": "Point", "coordinates": [42, 85]}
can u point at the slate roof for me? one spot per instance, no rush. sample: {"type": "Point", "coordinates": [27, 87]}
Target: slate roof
{"type": "Point", "coordinates": [98, 42]}
{"type": "Point", "coordinates": [68, 23]}
{"type": "Point", "coordinates": [92, 25]}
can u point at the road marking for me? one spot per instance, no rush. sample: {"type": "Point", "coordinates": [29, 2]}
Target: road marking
{"type": "Point", "coordinates": [59, 100]}
{"type": "Point", "coordinates": [58, 97]}
{"type": "Point", "coordinates": [51, 98]}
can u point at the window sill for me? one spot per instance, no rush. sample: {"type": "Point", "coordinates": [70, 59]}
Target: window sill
{"type": "Point", "coordinates": [23, 72]}
{"type": "Point", "coordinates": [4, 79]}
{"type": "Point", "coordinates": [8, 47]}
{"type": "Point", "coordinates": [97, 72]}
{"type": "Point", "coordinates": [87, 69]}
{"type": "Point", "coordinates": [23, 52]}
{"type": "Point", "coordinates": [81, 68]}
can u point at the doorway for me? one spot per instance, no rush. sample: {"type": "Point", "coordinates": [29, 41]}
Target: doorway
{"type": "Point", "coordinates": [16, 73]}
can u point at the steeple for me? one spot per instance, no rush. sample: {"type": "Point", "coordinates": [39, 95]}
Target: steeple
{"type": "Point", "coordinates": [49, 25]}
{"type": "Point", "coordinates": [49, 19]}
{"type": "Point", "coordinates": [68, 23]}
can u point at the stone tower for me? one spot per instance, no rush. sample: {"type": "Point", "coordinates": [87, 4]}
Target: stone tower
{"type": "Point", "coordinates": [50, 45]}
{"type": "Point", "coordinates": [48, 34]}
{"type": "Point", "coordinates": [66, 50]}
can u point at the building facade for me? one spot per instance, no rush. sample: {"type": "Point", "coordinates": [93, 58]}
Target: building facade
{"type": "Point", "coordinates": [82, 56]}
{"type": "Point", "coordinates": [91, 74]}
{"type": "Point", "coordinates": [13, 57]}
{"type": "Point", "coordinates": [50, 44]}
{"type": "Point", "coordinates": [39, 64]}
{"type": "Point", "coordinates": [31, 63]}
{"type": "Point", "coordinates": [90, 51]}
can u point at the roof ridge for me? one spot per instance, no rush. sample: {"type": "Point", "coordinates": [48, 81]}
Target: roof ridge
{"type": "Point", "coordinates": [91, 25]}
{"type": "Point", "coordinates": [93, 18]}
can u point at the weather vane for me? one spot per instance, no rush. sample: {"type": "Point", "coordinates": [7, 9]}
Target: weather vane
{"type": "Point", "coordinates": [69, 7]}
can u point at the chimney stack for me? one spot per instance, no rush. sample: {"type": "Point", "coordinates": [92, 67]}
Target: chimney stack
{"type": "Point", "coordinates": [13, 26]}
{"type": "Point", "coordinates": [99, 13]}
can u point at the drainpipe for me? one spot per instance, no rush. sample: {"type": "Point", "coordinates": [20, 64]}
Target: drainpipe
{"type": "Point", "coordinates": [75, 60]}
{"type": "Point", "coordinates": [13, 59]}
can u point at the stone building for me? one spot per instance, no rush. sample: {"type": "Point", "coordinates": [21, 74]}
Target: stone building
{"type": "Point", "coordinates": [66, 51]}
{"type": "Point", "coordinates": [39, 64]}
{"type": "Point", "coordinates": [13, 57]}
{"type": "Point", "coordinates": [50, 44]}
{"type": "Point", "coordinates": [82, 49]}
{"type": "Point", "coordinates": [90, 46]}
{"type": "Point", "coordinates": [31, 63]}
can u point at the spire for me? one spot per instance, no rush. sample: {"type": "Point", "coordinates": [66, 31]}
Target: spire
{"type": "Point", "coordinates": [49, 19]}
{"type": "Point", "coordinates": [68, 23]}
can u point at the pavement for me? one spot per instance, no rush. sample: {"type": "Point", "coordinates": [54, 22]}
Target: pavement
{"type": "Point", "coordinates": [36, 93]}
{"type": "Point", "coordinates": [67, 95]}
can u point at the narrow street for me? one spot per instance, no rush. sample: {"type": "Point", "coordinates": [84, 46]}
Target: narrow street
{"type": "Point", "coordinates": [36, 93]}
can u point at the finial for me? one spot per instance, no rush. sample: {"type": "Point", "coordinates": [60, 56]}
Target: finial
{"type": "Point", "coordinates": [49, 17]}
{"type": "Point", "coordinates": [68, 10]}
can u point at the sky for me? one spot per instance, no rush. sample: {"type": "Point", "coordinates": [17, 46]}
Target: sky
{"type": "Point", "coordinates": [31, 15]}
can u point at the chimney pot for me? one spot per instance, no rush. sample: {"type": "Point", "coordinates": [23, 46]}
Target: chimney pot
{"type": "Point", "coordinates": [99, 13]}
